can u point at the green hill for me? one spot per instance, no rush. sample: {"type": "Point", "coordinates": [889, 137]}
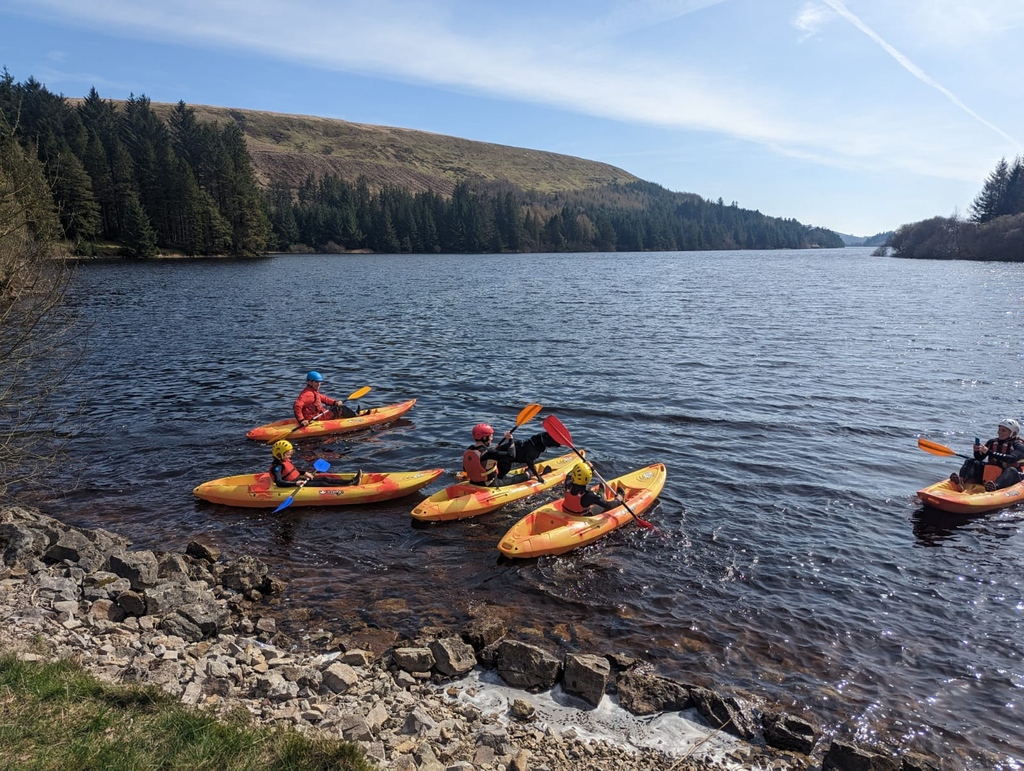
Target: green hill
{"type": "Point", "coordinates": [291, 147]}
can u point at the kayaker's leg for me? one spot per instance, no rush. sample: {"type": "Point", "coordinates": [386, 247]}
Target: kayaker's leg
{"type": "Point", "coordinates": [1008, 478]}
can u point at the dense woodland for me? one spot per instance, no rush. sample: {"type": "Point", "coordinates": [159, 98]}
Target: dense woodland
{"type": "Point", "coordinates": [993, 231]}
{"type": "Point", "coordinates": [122, 178]}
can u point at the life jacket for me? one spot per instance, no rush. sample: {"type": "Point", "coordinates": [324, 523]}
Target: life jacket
{"type": "Point", "coordinates": [573, 503]}
{"type": "Point", "coordinates": [288, 471]}
{"type": "Point", "coordinates": [310, 409]}
{"type": "Point", "coordinates": [1004, 447]}
{"type": "Point", "coordinates": [479, 471]}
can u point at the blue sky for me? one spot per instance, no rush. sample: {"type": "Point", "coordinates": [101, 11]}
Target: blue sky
{"type": "Point", "coordinates": [856, 115]}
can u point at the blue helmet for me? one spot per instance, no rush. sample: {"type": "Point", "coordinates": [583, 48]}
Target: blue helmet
{"type": "Point", "coordinates": [314, 375]}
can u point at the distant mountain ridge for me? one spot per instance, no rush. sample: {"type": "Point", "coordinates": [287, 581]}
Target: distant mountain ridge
{"type": "Point", "coordinates": [876, 240]}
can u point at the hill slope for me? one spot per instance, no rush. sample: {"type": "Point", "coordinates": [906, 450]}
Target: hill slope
{"type": "Point", "coordinates": [290, 147]}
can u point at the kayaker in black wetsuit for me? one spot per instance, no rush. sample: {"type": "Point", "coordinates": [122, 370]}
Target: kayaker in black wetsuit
{"type": "Point", "coordinates": [287, 474]}
{"type": "Point", "coordinates": [480, 460]}
{"type": "Point", "coordinates": [1005, 452]}
{"type": "Point", "coordinates": [579, 498]}
{"type": "Point", "coordinates": [526, 452]}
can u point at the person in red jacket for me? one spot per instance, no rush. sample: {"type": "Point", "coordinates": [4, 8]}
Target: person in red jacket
{"type": "Point", "coordinates": [312, 404]}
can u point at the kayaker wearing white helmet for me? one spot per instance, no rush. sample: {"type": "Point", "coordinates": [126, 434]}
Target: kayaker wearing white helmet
{"type": "Point", "coordinates": [1004, 455]}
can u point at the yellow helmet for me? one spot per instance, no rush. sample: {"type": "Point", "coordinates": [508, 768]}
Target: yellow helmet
{"type": "Point", "coordinates": [280, 448]}
{"type": "Point", "coordinates": [581, 474]}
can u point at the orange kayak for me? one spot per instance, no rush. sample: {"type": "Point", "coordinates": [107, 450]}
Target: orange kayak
{"type": "Point", "coordinates": [289, 429]}
{"type": "Point", "coordinates": [463, 500]}
{"type": "Point", "coordinates": [549, 530]}
{"type": "Point", "coordinates": [973, 500]}
{"type": "Point", "coordinates": [258, 491]}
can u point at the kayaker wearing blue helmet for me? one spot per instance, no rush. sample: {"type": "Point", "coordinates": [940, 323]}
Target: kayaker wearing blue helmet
{"type": "Point", "coordinates": [311, 404]}
{"type": "Point", "coordinates": [1004, 454]}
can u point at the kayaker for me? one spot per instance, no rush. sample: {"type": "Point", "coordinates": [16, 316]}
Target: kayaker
{"type": "Point", "coordinates": [578, 497]}
{"type": "Point", "coordinates": [286, 474]}
{"type": "Point", "coordinates": [311, 404]}
{"type": "Point", "coordinates": [1005, 452]}
{"type": "Point", "coordinates": [480, 460]}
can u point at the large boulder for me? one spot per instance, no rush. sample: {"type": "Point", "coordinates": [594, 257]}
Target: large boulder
{"type": "Point", "coordinates": [526, 666]}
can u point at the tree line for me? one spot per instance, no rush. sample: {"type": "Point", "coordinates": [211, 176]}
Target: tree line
{"type": "Point", "coordinates": [993, 231]}
{"type": "Point", "coordinates": [120, 175]}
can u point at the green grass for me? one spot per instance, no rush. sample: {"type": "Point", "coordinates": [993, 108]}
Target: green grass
{"type": "Point", "coordinates": [56, 716]}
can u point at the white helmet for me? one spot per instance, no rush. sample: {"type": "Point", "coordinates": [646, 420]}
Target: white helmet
{"type": "Point", "coordinates": [1011, 424]}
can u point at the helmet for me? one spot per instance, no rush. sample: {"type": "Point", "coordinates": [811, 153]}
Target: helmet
{"type": "Point", "coordinates": [581, 474]}
{"type": "Point", "coordinates": [482, 430]}
{"type": "Point", "coordinates": [280, 448]}
{"type": "Point", "coordinates": [314, 375]}
{"type": "Point", "coordinates": [1011, 424]}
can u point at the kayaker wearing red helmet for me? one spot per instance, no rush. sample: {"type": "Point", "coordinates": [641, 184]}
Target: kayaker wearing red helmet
{"type": "Point", "coordinates": [480, 460]}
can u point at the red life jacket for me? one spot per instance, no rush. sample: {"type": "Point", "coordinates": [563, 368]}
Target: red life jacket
{"type": "Point", "coordinates": [288, 471]}
{"type": "Point", "coordinates": [573, 503]}
{"type": "Point", "coordinates": [310, 404]}
{"type": "Point", "coordinates": [478, 471]}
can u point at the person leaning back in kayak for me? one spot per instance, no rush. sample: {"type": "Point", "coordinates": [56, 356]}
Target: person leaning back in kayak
{"type": "Point", "coordinates": [311, 404]}
{"type": "Point", "coordinates": [578, 497]}
{"type": "Point", "coordinates": [480, 460]}
{"type": "Point", "coordinates": [286, 474]}
{"type": "Point", "coordinates": [1005, 452]}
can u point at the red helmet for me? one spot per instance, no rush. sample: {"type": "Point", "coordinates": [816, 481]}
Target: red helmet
{"type": "Point", "coordinates": [482, 431]}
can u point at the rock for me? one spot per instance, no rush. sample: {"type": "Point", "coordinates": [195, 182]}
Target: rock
{"type": "Point", "coordinates": [586, 676]}
{"type": "Point", "coordinates": [647, 694]}
{"type": "Point", "coordinates": [202, 551]}
{"type": "Point", "coordinates": [482, 632]}
{"type": "Point", "coordinates": [133, 603]}
{"type": "Point", "coordinates": [75, 547]}
{"type": "Point", "coordinates": [452, 656]}
{"type": "Point", "coordinates": [413, 659]}
{"type": "Point", "coordinates": [139, 567]}
{"type": "Point", "coordinates": [842, 756]}
{"type": "Point", "coordinates": [789, 732]}
{"type": "Point", "coordinates": [245, 575]}
{"type": "Point", "coordinates": [726, 712]}
{"type": "Point", "coordinates": [178, 625]}
{"type": "Point", "coordinates": [526, 666]}
{"type": "Point", "coordinates": [339, 677]}
{"type": "Point", "coordinates": [522, 709]}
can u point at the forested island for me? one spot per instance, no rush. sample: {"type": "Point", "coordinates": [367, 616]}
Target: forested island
{"type": "Point", "coordinates": [138, 179]}
{"type": "Point", "coordinates": [993, 231]}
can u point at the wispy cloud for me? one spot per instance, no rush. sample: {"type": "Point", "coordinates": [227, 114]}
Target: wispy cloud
{"type": "Point", "coordinates": [913, 69]}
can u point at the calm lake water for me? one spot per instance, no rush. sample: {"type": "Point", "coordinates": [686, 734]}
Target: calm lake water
{"type": "Point", "coordinates": [783, 390]}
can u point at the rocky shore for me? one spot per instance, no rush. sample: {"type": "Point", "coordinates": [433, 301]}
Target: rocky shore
{"type": "Point", "coordinates": [204, 630]}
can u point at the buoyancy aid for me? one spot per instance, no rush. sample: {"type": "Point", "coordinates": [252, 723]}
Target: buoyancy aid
{"type": "Point", "coordinates": [479, 471]}
{"type": "Point", "coordinates": [311, 404]}
{"type": "Point", "coordinates": [573, 501]}
{"type": "Point", "coordinates": [286, 470]}
{"type": "Point", "coordinates": [1012, 446]}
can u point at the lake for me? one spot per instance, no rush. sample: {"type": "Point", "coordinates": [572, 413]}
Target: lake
{"type": "Point", "coordinates": [784, 391]}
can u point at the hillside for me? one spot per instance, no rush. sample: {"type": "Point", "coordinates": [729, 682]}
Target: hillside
{"type": "Point", "coordinates": [290, 147]}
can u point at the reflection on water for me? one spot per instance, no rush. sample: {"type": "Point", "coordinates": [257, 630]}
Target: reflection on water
{"type": "Point", "coordinates": [784, 391]}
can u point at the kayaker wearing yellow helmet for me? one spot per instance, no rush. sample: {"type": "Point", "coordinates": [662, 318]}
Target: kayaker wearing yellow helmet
{"type": "Point", "coordinates": [1005, 452]}
{"type": "Point", "coordinates": [286, 474]}
{"type": "Point", "coordinates": [578, 497]}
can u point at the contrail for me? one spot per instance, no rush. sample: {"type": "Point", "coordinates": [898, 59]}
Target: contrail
{"type": "Point", "coordinates": [913, 69]}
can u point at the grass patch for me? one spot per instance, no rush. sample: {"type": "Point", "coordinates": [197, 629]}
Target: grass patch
{"type": "Point", "coordinates": [57, 716]}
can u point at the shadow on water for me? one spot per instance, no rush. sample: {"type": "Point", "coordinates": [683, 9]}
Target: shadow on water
{"type": "Point", "coordinates": [933, 527]}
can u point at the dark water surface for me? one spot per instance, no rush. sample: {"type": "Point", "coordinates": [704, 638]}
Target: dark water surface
{"type": "Point", "coordinates": [784, 391]}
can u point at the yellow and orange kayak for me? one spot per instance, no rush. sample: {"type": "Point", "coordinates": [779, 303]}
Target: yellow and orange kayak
{"type": "Point", "coordinates": [973, 500]}
{"type": "Point", "coordinates": [289, 429]}
{"type": "Point", "coordinates": [549, 530]}
{"type": "Point", "coordinates": [258, 491]}
{"type": "Point", "coordinates": [464, 499]}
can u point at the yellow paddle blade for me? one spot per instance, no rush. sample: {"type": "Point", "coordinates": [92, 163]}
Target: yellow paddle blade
{"type": "Point", "coordinates": [935, 448]}
{"type": "Point", "coordinates": [527, 413]}
{"type": "Point", "coordinates": [359, 394]}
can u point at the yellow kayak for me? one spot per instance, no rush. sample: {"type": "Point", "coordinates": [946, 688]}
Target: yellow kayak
{"type": "Point", "coordinates": [258, 491]}
{"type": "Point", "coordinates": [549, 530]}
{"type": "Point", "coordinates": [973, 500]}
{"type": "Point", "coordinates": [465, 499]}
{"type": "Point", "coordinates": [289, 429]}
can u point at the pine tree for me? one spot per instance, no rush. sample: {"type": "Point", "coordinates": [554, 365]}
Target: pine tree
{"type": "Point", "coordinates": [991, 198]}
{"type": "Point", "coordinates": [138, 237]}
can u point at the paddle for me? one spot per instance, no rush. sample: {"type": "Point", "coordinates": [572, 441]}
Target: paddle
{"type": "Point", "coordinates": [357, 394]}
{"type": "Point", "coordinates": [526, 414]}
{"type": "Point", "coordinates": [561, 435]}
{"type": "Point", "coordinates": [939, 449]}
{"type": "Point", "coordinates": [320, 465]}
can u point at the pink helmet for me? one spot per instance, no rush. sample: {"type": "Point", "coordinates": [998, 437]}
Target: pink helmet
{"type": "Point", "coordinates": [482, 430]}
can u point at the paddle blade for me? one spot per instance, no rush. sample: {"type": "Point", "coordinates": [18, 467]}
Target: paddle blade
{"type": "Point", "coordinates": [359, 394]}
{"type": "Point", "coordinates": [557, 431]}
{"type": "Point", "coordinates": [527, 413]}
{"type": "Point", "coordinates": [285, 503]}
{"type": "Point", "coordinates": [321, 465]}
{"type": "Point", "coordinates": [935, 448]}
